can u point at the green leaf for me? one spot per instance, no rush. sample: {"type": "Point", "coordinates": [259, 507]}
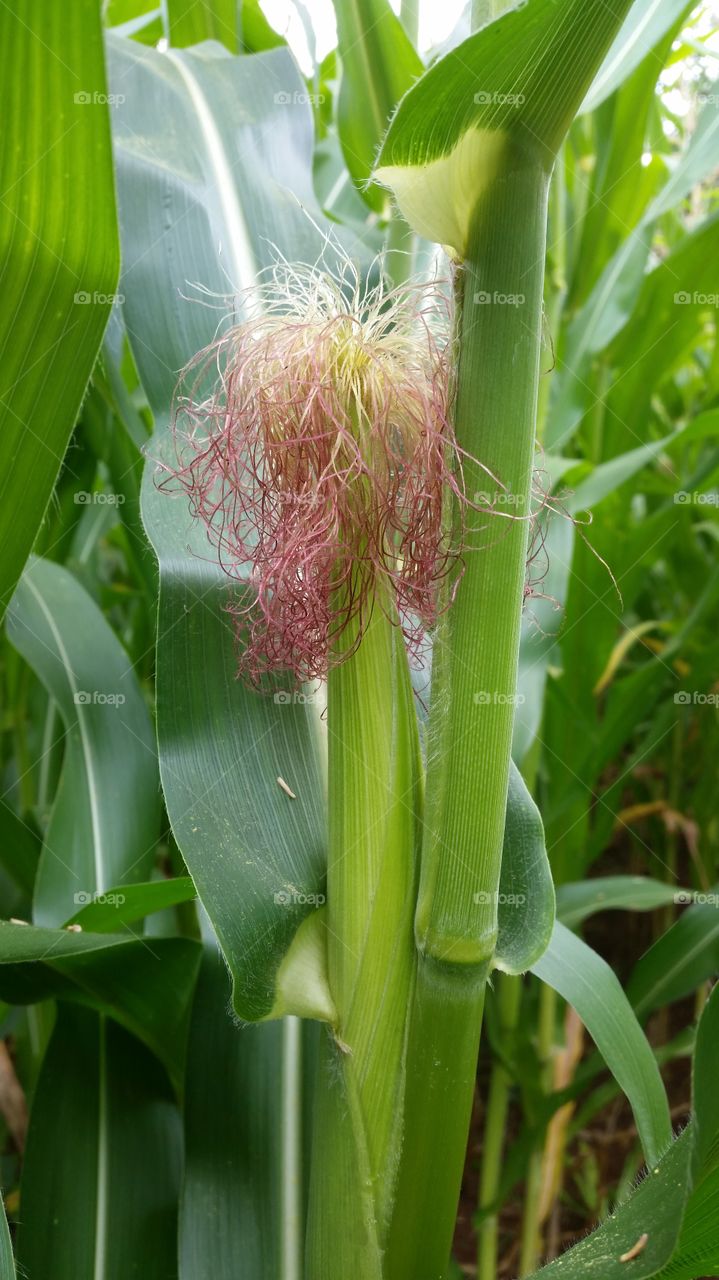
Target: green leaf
{"type": "Point", "coordinates": [105, 820]}
{"type": "Point", "coordinates": [60, 257]}
{"type": "Point", "coordinates": [576, 902]}
{"type": "Point", "coordinates": [682, 958]}
{"type": "Point", "coordinates": [379, 64]}
{"type": "Point", "coordinates": [223, 175]}
{"type": "Point", "coordinates": [100, 1177]}
{"type": "Point", "coordinates": [705, 1093]}
{"type": "Point", "coordinates": [204, 20]}
{"type": "Point", "coordinates": [130, 902]}
{"type": "Point", "coordinates": [526, 892]}
{"type": "Point", "coordinates": [672, 1216]}
{"type": "Point", "coordinates": [697, 1252]}
{"type": "Point", "coordinates": [240, 25]}
{"type": "Point", "coordinates": [647, 22]}
{"type": "Point", "coordinates": [257, 856]}
{"type": "Point", "coordinates": [586, 982]}
{"type": "Point", "coordinates": [614, 297]}
{"type": "Point", "coordinates": [239, 1123]}
{"type": "Point", "coordinates": [512, 89]}
{"type": "Point", "coordinates": [145, 984]}
{"type": "Point", "coordinates": [7, 1261]}
{"type": "Point", "coordinates": [654, 1210]}
{"type": "Point", "coordinates": [20, 848]}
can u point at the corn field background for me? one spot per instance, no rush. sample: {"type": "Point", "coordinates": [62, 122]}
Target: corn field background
{"type": "Point", "coordinates": [248, 937]}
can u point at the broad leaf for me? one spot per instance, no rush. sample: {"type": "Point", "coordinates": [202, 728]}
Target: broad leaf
{"type": "Point", "coordinates": [127, 903]}
{"type": "Point", "coordinates": [105, 820]}
{"type": "Point", "coordinates": [576, 902]}
{"type": "Point", "coordinates": [60, 257]}
{"type": "Point", "coordinates": [233, 172]}
{"type": "Point", "coordinates": [104, 1150]}
{"type": "Point", "coordinates": [526, 892]}
{"type": "Point", "coordinates": [145, 984]}
{"type": "Point", "coordinates": [234, 1195]}
{"type": "Point", "coordinates": [516, 84]}
{"type": "Point", "coordinates": [586, 982]}
{"type": "Point", "coordinates": [647, 22]}
{"type": "Point", "coordinates": [379, 64]}
{"type": "Point", "coordinates": [682, 958]}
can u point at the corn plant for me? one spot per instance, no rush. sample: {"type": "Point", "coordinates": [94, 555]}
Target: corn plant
{"type": "Point", "coordinates": [322, 690]}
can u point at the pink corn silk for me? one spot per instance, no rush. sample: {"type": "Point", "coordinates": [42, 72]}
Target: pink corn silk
{"type": "Point", "coordinates": [320, 464]}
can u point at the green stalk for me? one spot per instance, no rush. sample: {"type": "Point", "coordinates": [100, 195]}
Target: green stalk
{"type": "Point", "coordinates": [474, 683]}
{"type": "Point", "coordinates": [531, 1246]}
{"type": "Point", "coordinates": [510, 996]}
{"type": "Point", "coordinates": [374, 797]}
